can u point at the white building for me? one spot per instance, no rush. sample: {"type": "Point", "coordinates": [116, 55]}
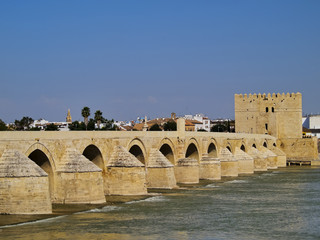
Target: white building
{"type": "Point", "coordinates": [312, 122]}
{"type": "Point", "coordinates": [204, 122]}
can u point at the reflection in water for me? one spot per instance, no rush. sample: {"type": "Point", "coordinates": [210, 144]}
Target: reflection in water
{"type": "Point", "coordinates": [273, 205]}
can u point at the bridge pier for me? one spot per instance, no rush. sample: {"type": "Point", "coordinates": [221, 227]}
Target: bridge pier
{"type": "Point", "coordinates": [271, 158]}
{"type": "Point", "coordinates": [229, 165]}
{"type": "Point", "coordinates": [245, 161]}
{"type": "Point", "coordinates": [24, 186]}
{"type": "Point", "coordinates": [210, 168]}
{"type": "Point", "coordinates": [77, 180]}
{"type": "Point", "coordinates": [281, 157]}
{"type": "Point", "coordinates": [187, 171]}
{"type": "Point", "coordinates": [125, 174]}
{"type": "Point", "coordinates": [260, 160]}
{"type": "Point", "coordinates": [160, 172]}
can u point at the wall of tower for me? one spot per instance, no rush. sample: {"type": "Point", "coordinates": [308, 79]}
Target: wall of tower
{"type": "Point", "coordinates": [279, 115]}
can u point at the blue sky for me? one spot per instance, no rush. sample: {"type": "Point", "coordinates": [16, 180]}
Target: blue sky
{"type": "Point", "coordinates": [136, 58]}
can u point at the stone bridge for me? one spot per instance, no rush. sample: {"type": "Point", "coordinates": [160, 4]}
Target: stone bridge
{"type": "Point", "coordinates": [41, 168]}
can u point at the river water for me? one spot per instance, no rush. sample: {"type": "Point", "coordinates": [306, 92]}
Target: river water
{"type": "Point", "coordinates": [278, 204]}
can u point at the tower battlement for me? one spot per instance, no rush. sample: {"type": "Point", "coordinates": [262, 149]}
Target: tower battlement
{"type": "Point", "coordinates": [277, 114]}
{"type": "Point", "coordinates": [268, 95]}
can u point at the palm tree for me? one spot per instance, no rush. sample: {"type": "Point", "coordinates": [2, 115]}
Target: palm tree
{"type": "Point", "coordinates": [85, 114]}
{"type": "Point", "coordinates": [98, 117]}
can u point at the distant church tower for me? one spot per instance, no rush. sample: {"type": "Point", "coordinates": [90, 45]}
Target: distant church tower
{"type": "Point", "coordinates": [69, 119]}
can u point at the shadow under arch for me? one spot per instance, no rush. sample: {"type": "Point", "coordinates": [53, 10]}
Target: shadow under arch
{"type": "Point", "coordinates": [41, 159]}
{"type": "Point", "coordinates": [265, 145]}
{"type": "Point", "coordinates": [212, 150]}
{"type": "Point", "coordinates": [243, 147]}
{"type": "Point", "coordinates": [137, 148]}
{"type": "Point", "coordinates": [192, 152]}
{"type": "Point", "coordinates": [166, 150]}
{"type": "Point", "coordinates": [137, 152]}
{"type": "Point", "coordinates": [229, 148]}
{"type": "Point", "coordinates": [93, 153]}
{"type": "Point", "coordinates": [254, 145]}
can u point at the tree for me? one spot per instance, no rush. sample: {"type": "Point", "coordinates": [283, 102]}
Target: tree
{"type": "Point", "coordinates": [155, 127]}
{"type": "Point", "coordinates": [3, 126]}
{"type": "Point", "coordinates": [98, 118]}
{"type": "Point", "coordinates": [91, 124]}
{"type": "Point", "coordinates": [219, 128]}
{"type": "Point", "coordinates": [52, 127]}
{"type": "Point", "coordinates": [170, 126]}
{"type": "Point", "coordinates": [23, 124]}
{"type": "Point", "coordinates": [201, 130]}
{"type": "Point", "coordinates": [76, 126]}
{"type": "Point", "coordinates": [85, 114]}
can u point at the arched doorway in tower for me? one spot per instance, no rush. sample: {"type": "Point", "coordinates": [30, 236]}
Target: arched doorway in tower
{"type": "Point", "coordinates": [167, 152]}
{"type": "Point", "coordinates": [94, 155]}
{"type": "Point", "coordinates": [265, 145]}
{"type": "Point", "coordinates": [254, 145]}
{"type": "Point", "coordinates": [138, 153]}
{"type": "Point", "coordinates": [41, 159]}
{"type": "Point", "coordinates": [192, 152]}
{"type": "Point", "coordinates": [212, 150]}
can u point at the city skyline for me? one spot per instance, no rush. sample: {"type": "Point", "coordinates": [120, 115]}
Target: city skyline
{"type": "Point", "coordinates": [131, 59]}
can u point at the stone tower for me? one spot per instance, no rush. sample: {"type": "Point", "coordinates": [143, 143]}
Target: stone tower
{"type": "Point", "coordinates": [279, 115]}
{"type": "Point", "coordinates": [69, 119]}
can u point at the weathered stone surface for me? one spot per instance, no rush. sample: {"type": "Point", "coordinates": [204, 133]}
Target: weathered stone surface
{"type": "Point", "coordinates": [25, 195]}
{"type": "Point", "coordinates": [271, 158]}
{"type": "Point", "coordinates": [160, 172]}
{"type": "Point", "coordinates": [245, 161]}
{"type": "Point", "coordinates": [157, 160]}
{"type": "Point", "coordinates": [229, 165]}
{"type": "Point", "coordinates": [187, 171]}
{"type": "Point", "coordinates": [122, 158]}
{"type": "Point", "coordinates": [125, 181]}
{"type": "Point", "coordinates": [125, 174]}
{"type": "Point", "coordinates": [260, 159]}
{"type": "Point", "coordinates": [73, 161]}
{"type": "Point", "coordinates": [210, 168]}
{"type": "Point", "coordinates": [24, 186]}
{"type": "Point", "coordinates": [281, 157]}
{"type": "Point", "coordinates": [15, 164]}
{"type": "Point", "coordinates": [79, 187]}
{"type": "Point", "coordinates": [162, 178]}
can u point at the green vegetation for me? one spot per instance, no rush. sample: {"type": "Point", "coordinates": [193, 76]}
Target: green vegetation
{"type": "Point", "coordinates": [23, 124]}
{"type": "Point", "coordinates": [170, 126]}
{"type": "Point", "coordinates": [85, 112]}
{"type": "Point", "coordinates": [52, 127]}
{"type": "Point", "coordinates": [219, 128]}
{"type": "Point", "coordinates": [98, 117]}
{"type": "Point", "coordinates": [3, 126]}
{"type": "Point", "coordinates": [155, 127]}
{"type": "Point", "coordinates": [77, 126]}
{"type": "Point", "coordinates": [201, 130]}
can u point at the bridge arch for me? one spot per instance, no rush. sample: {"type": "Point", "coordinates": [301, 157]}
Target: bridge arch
{"type": "Point", "coordinates": [212, 149]}
{"type": "Point", "coordinates": [137, 148]}
{"type": "Point", "coordinates": [193, 150]}
{"type": "Point", "coordinates": [39, 154]}
{"type": "Point", "coordinates": [45, 150]}
{"type": "Point", "coordinates": [93, 153]}
{"type": "Point", "coordinates": [229, 147]}
{"type": "Point", "coordinates": [243, 147]}
{"type": "Point", "coordinates": [167, 149]}
{"type": "Point", "coordinates": [265, 144]}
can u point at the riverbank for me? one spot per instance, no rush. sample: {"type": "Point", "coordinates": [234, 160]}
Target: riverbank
{"type": "Point", "coordinates": [66, 209]}
{"type": "Point", "coordinates": [116, 201]}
